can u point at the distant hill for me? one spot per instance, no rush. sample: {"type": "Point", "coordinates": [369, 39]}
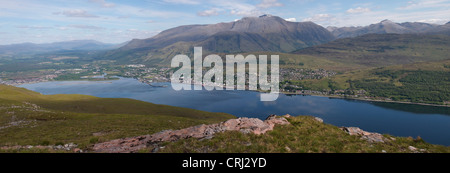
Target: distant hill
{"type": "Point", "coordinates": [75, 45]}
{"type": "Point", "coordinates": [376, 50]}
{"type": "Point", "coordinates": [389, 27]}
{"type": "Point", "coordinates": [263, 33]}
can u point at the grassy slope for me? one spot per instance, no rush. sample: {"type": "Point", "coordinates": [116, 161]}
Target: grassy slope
{"type": "Point", "coordinates": [288, 60]}
{"type": "Point", "coordinates": [85, 120]}
{"type": "Point", "coordinates": [369, 72]}
{"type": "Point", "coordinates": [400, 67]}
{"type": "Point", "coordinates": [378, 50]}
{"type": "Point", "coordinates": [304, 135]}
{"type": "Point", "coordinates": [422, 82]}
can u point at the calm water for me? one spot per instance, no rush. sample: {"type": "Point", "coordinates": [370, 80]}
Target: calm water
{"type": "Point", "coordinates": [431, 123]}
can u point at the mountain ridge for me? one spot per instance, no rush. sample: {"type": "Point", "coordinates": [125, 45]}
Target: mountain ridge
{"type": "Point", "coordinates": [377, 50]}
{"type": "Point", "coordinates": [263, 33]}
{"type": "Point", "coordinates": [388, 27]}
{"type": "Point", "coordinates": [32, 48]}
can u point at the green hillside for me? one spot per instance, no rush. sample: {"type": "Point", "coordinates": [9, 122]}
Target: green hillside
{"type": "Point", "coordinates": [378, 50]}
{"type": "Point", "coordinates": [424, 82]}
{"type": "Point", "coordinates": [29, 118]}
{"type": "Point", "coordinates": [392, 67]}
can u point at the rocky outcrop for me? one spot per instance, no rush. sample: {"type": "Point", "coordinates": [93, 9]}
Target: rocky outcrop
{"type": "Point", "coordinates": [369, 136]}
{"type": "Point", "coordinates": [244, 125]}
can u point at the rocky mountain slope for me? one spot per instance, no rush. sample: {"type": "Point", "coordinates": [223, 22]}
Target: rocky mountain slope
{"type": "Point", "coordinates": [263, 33]}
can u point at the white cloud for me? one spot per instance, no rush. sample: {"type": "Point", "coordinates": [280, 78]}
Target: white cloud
{"type": "Point", "coordinates": [269, 3]}
{"type": "Point", "coordinates": [33, 27]}
{"type": "Point", "coordinates": [233, 7]}
{"type": "Point", "coordinates": [291, 19]}
{"type": "Point", "coordinates": [127, 10]}
{"type": "Point", "coordinates": [242, 8]}
{"type": "Point", "coordinates": [190, 2]}
{"type": "Point", "coordinates": [63, 28]}
{"type": "Point", "coordinates": [76, 13]}
{"type": "Point", "coordinates": [438, 16]}
{"type": "Point", "coordinates": [103, 3]}
{"type": "Point", "coordinates": [434, 21]}
{"type": "Point", "coordinates": [425, 4]}
{"type": "Point", "coordinates": [246, 12]}
{"type": "Point", "coordinates": [239, 8]}
{"type": "Point", "coordinates": [89, 27]}
{"type": "Point", "coordinates": [210, 12]}
{"type": "Point", "coordinates": [135, 33]}
{"type": "Point", "coordinates": [319, 18]}
{"type": "Point", "coordinates": [124, 17]}
{"type": "Point", "coordinates": [358, 10]}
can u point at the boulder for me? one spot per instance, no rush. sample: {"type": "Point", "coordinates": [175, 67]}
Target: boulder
{"type": "Point", "coordinates": [371, 137]}
{"type": "Point", "coordinates": [318, 119]}
{"type": "Point", "coordinates": [287, 116]}
{"type": "Point", "coordinates": [77, 150]}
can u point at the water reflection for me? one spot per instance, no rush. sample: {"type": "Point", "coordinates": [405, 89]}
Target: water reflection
{"type": "Point", "coordinates": [419, 109]}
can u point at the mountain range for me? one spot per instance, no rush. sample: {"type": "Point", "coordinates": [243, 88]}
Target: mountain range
{"type": "Point", "coordinates": [379, 50]}
{"type": "Point", "coordinates": [254, 34]}
{"type": "Point", "coordinates": [265, 33]}
{"type": "Point", "coordinates": [75, 45]}
{"type": "Point", "coordinates": [389, 27]}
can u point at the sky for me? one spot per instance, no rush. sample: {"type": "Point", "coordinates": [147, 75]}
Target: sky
{"type": "Point", "coordinates": [114, 21]}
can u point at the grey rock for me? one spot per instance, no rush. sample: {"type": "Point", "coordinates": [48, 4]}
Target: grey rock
{"type": "Point", "coordinates": [318, 119]}
{"type": "Point", "coordinates": [369, 136]}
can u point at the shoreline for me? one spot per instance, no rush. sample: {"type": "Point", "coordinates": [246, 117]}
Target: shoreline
{"type": "Point", "coordinates": [283, 92]}
{"type": "Point", "coordinates": [341, 97]}
{"type": "Point", "coordinates": [88, 80]}
{"type": "Point", "coordinates": [369, 100]}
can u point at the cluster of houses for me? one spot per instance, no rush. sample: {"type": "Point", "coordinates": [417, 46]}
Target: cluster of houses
{"type": "Point", "coordinates": [301, 74]}
{"type": "Point", "coordinates": [16, 82]}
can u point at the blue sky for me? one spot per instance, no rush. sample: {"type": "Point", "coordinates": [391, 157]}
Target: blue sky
{"type": "Point", "coordinates": [114, 21]}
